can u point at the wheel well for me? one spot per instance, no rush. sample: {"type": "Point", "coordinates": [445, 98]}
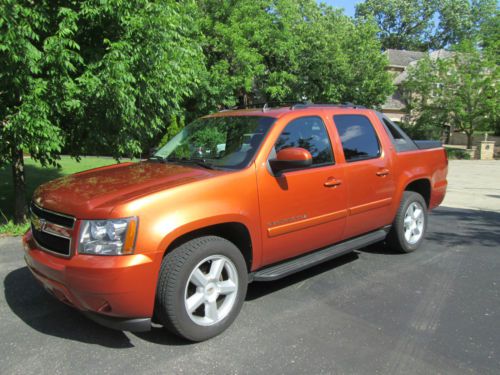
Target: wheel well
{"type": "Point", "coordinates": [423, 187]}
{"type": "Point", "coordinates": [237, 233]}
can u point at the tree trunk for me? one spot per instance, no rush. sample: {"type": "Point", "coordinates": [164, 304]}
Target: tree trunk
{"type": "Point", "coordinates": [469, 140]}
{"type": "Point", "coordinates": [19, 186]}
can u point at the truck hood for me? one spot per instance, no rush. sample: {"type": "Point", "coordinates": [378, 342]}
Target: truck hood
{"type": "Point", "coordinates": [98, 191]}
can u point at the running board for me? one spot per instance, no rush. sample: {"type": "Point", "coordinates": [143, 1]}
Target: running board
{"type": "Point", "coordinates": [303, 262]}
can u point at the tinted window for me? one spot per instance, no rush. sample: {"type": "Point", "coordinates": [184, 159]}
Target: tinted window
{"type": "Point", "coordinates": [394, 132]}
{"type": "Point", "coordinates": [309, 133]}
{"type": "Point", "coordinates": [358, 137]}
{"type": "Point", "coordinates": [398, 137]}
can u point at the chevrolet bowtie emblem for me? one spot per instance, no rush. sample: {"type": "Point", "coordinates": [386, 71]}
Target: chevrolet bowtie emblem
{"type": "Point", "coordinates": [38, 224]}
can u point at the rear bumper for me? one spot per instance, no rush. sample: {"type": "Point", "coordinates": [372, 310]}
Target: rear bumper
{"type": "Point", "coordinates": [116, 291]}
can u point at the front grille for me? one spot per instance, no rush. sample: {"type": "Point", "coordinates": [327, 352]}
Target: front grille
{"type": "Point", "coordinates": [51, 230]}
{"type": "Point", "coordinates": [53, 217]}
{"type": "Point", "coordinates": [52, 243]}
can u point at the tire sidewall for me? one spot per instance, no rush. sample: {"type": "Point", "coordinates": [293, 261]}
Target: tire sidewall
{"type": "Point", "coordinates": [190, 329]}
{"type": "Point", "coordinates": [408, 200]}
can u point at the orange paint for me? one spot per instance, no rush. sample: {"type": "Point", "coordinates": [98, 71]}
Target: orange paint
{"type": "Point", "coordinates": [285, 216]}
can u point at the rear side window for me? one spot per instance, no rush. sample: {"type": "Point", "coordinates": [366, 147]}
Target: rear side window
{"type": "Point", "coordinates": [309, 133]}
{"type": "Point", "coordinates": [396, 135]}
{"type": "Point", "coordinates": [358, 137]}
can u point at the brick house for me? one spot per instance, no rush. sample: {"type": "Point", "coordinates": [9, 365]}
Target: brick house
{"type": "Point", "coordinates": [399, 61]}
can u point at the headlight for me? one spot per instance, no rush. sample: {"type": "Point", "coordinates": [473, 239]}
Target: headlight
{"type": "Point", "coordinates": [107, 237]}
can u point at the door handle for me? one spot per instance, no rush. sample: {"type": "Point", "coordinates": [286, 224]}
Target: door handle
{"type": "Point", "coordinates": [383, 172]}
{"type": "Point", "coordinates": [332, 182]}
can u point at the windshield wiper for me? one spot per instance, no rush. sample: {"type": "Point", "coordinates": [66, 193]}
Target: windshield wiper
{"type": "Point", "coordinates": [159, 158]}
{"type": "Point", "coordinates": [200, 162]}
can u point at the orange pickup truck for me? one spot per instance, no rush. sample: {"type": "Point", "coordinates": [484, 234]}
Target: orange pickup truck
{"type": "Point", "coordinates": [236, 196]}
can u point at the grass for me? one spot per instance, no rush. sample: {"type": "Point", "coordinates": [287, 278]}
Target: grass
{"type": "Point", "coordinates": [11, 229]}
{"type": "Point", "coordinates": [35, 176]}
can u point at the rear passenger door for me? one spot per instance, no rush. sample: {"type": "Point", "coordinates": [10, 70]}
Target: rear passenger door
{"type": "Point", "coordinates": [368, 172]}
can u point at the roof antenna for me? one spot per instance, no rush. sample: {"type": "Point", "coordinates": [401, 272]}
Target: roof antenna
{"type": "Point", "coordinates": [265, 108]}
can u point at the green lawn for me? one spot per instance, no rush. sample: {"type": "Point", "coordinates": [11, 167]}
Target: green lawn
{"type": "Point", "coordinates": [35, 176]}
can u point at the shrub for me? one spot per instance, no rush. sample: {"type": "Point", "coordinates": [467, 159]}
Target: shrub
{"type": "Point", "coordinates": [457, 153]}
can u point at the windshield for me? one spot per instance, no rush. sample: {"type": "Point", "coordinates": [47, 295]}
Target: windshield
{"type": "Point", "coordinates": [217, 142]}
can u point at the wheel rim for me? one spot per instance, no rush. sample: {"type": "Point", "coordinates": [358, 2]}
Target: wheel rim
{"type": "Point", "coordinates": [211, 290]}
{"type": "Point", "coordinates": [414, 223]}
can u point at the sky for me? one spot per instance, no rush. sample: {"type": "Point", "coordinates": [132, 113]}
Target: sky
{"type": "Point", "coordinates": [346, 4]}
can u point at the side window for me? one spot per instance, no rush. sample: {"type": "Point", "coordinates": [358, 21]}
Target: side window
{"type": "Point", "coordinates": [358, 137]}
{"type": "Point", "coordinates": [396, 135]}
{"type": "Point", "coordinates": [394, 132]}
{"type": "Point", "coordinates": [309, 133]}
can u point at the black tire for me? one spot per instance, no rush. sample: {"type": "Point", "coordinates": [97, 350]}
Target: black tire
{"type": "Point", "coordinates": [175, 281]}
{"type": "Point", "coordinates": [396, 239]}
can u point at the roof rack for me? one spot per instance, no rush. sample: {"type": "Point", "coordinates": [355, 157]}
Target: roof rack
{"type": "Point", "coordinates": [293, 105]}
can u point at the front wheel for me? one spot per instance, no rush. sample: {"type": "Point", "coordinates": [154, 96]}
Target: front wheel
{"type": "Point", "coordinates": [410, 224]}
{"type": "Point", "coordinates": [201, 288]}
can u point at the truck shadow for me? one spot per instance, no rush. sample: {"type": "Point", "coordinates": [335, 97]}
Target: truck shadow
{"type": "Point", "coordinates": [42, 312]}
{"type": "Point", "coordinates": [260, 289]}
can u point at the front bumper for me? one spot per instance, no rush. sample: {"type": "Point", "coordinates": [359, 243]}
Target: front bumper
{"type": "Point", "coordinates": [116, 291]}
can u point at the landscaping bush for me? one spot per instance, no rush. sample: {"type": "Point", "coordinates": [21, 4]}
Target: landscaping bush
{"type": "Point", "coordinates": [457, 153]}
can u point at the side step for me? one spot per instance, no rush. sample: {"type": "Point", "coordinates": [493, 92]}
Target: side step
{"type": "Point", "coordinates": [309, 260]}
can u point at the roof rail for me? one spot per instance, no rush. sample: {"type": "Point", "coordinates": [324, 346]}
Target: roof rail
{"type": "Point", "coordinates": [342, 105]}
{"type": "Point", "coordinates": [265, 106]}
{"type": "Point", "coordinates": [293, 105]}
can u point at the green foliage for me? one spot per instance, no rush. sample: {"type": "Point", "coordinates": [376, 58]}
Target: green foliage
{"type": "Point", "coordinates": [460, 90]}
{"type": "Point", "coordinates": [456, 153]}
{"type": "Point", "coordinates": [93, 74]}
{"type": "Point", "coordinates": [423, 128]}
{"type": "Point", "coordinates": [11, 229]}
{"type": "Point", "coordinates": [275, 50]}
{"type": "Point", "coordinates": [490, 37]}
{"type": "Point", "coordinates": [175, 126]}
{"type": "Point", "coordinates": [426, 24]}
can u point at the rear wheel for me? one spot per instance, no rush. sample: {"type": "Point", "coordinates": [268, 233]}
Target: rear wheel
{"type": "Point", "coordinates": [410, 224]}
{"type": "Point", "coordinates": [201, 288]}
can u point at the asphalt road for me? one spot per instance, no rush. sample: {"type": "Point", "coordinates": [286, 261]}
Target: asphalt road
{"type": "Point", "coordinates": [433, 311]}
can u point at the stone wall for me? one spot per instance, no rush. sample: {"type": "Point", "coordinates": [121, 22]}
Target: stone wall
{"type": "Point", "coordinates": [460, 139]}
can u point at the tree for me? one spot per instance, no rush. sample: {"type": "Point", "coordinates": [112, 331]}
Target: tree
{"type": "Point", "coordinates": [341, 61]}
{"type": "Point", "coordinates": [90, 74]}
{"type": "Point", "coordinates": [460, 90]}
{"type": "Point", "coordinates": [278, 50]}
{"type": "Point", "coordinates": [426, 24]}
{"type": "Point", "coordinates": [489, 37]}
{"type": "Point", "coordinates": [87, 77]}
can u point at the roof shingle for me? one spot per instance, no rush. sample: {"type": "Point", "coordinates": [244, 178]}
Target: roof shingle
{"type": "Point", "coordinates": [403, 57]}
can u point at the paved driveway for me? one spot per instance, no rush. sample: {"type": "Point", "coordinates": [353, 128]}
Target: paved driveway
{"type": "Point", "coordinates": [474, 184]}
{"type": "Point", "coordinates": [432, 311]}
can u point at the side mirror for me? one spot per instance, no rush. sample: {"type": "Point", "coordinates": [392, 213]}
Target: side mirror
{"type": "Point", "coordinates": [289, 159]}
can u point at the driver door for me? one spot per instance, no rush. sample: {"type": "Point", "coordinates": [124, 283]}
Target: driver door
{"type": "Point", "coordinates": [304, 209]}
